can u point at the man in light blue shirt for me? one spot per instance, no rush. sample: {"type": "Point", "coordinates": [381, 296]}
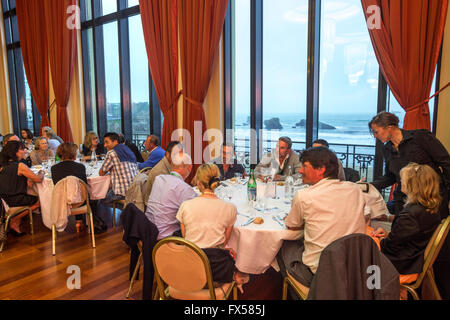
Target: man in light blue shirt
{"type": "Point", "coordinates": [168, 193]}
{"type": "Point", "coordinates": [156, 152]}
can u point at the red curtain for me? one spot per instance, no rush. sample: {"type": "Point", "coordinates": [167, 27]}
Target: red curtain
{"type": "Point", "coordinates": [200, 28]}
{"type": "Point", "coordinates": [62, 45]}
{"type": "Point", "coordinates": [159, 22]}
{"type": "Point", "coordinates": [407, 45]}
{"type": "Point", "coordinates": [33, 43]}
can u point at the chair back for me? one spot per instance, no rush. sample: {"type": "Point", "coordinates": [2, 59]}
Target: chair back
{"type": "Point", "coordinates": [84, 191]}
{"type": "Point", "coordinates": [189, 276]}
{"type": "Point", "coordinates": [145, 170]}
{"type": "Point", "coordinates": [433, 248]}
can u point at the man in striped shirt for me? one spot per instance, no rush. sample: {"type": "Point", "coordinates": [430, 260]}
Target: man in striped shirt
{"type": "Point", "coordinates": [121, 163]}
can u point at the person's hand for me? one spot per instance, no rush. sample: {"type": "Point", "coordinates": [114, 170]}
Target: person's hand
{"type": "Point", "coordinates": [380, 233]}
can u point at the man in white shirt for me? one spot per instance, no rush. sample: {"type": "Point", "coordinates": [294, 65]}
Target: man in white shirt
{"type": "Point", "coordinates": [326, 211]}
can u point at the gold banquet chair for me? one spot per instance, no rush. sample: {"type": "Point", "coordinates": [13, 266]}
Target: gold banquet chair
{"type": "Point", "coordinates": [115, 203]}
{"type": "Point", "coordinates": [85, 209]}
{"type": "Point", "coordinates": [186, 280]}
{"type": "Point", "coordinates": [300, 289]}
{"type": "Point", "coordinates": [11, 212]}
{"type": "Point", "coordinates": [431, 252]}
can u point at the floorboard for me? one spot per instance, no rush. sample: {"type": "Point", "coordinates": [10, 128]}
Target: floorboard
{"type": "Point", "coordinates": [29, 271]}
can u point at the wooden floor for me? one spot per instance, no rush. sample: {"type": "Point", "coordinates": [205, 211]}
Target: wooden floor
{"type": "Point", "coordinates": [29, 271]}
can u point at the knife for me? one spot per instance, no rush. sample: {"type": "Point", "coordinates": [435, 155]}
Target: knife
{"type": "Point", "coordinates": [248, 222]}
{"type": "Point", "coordinates": [275, 219]}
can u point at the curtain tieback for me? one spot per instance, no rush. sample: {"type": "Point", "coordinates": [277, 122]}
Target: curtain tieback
{"type": "Point", "coordinates": [194, 102]}
{"type": "Point", "coordinates": [418, 105]}
{"type": "Point", "coordinates": [173, 102]}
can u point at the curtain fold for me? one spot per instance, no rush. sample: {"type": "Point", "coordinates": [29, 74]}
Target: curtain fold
{"type": "Point", "coordinates": [62, 45]}
{"type": "Point", "coordinates": [200, 28]}
{"type": "Point", "coordinates": [33, 43]}
{"type": "Point", "coordinates": [159, 23]}
{"type": "Point", "coordinates": [407, 49]}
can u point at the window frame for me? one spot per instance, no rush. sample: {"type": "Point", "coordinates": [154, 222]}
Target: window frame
{"type": "Point", "coordinates": [96, 23]}
{"type": "Point", "coordinates": [312, 103]}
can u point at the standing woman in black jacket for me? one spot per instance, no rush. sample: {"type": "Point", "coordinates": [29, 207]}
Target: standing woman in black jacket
{"type": "Point", "coordinates": [402, 147]}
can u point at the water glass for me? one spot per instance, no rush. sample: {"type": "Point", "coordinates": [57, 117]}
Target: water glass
{"type": "Point", "coordinates": [238, 177]}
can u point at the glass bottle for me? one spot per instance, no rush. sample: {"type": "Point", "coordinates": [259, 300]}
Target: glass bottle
{"type": "Point", "coordinates": [289, 184]}
{"type": "Point", "coordinates": [251, 186]}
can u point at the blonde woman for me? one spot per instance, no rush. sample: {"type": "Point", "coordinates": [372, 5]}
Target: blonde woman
{"type": "Point", "coordinates": [208, 221]}
{"type": "Point", "coordinates": [413, 227]}
{"type": "Point", "coordinates": [41, 152]}
{"type": "Point", "coordinates": [91, 143]}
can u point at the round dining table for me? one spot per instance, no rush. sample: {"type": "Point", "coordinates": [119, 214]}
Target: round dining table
{"type": "Point", "coordinates": [256, 245]}
{"type": "Point", "coordinates": [98, 187]}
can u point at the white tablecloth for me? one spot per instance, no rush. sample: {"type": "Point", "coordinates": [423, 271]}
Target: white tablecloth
{"type": "Point", "coordinates": [257, 245]}
{"type": "Point", "coordinates": [98, 188]}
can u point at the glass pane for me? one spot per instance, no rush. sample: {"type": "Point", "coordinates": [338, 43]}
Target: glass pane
{"type": "Point", "coordinates": [285, 47]}
{"type": "Point", "coordinates": [8, 31]}
{"type": "Point", "coordinates": [139, 73]}
{"type": "Point", "coordinates": [86, 10]}
{"type": "Point", "coordinates": [132, 3]}
{"type": "Point", "coordinates": [29, 103]}
{"type": "Point", "coordinates": [108, 6]}
{"type": "Point", "coordinates": [5, 6]}
{"type": "Point", "coordinates": [15, 29]}
{"type": "Point", "coordinates": [241, 79]}
{"type": "Point", "coordinates": [348, 84]}
{"type": "Point", "coordinates": [112, 77]}
{"type": "Point", "coordinates": [89, 76]}
{"type": "Point", "coordinates": [12, 4]}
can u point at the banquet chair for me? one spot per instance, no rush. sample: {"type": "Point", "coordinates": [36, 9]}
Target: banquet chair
{"type": "Point", "coordinates": [11, 213]}
{"type": "Point", "coordinates": [120, 202]}
{"type": "Point", "coordinates": [84, 209]}
{"type": "Point", "coordinates": [300, 289]}
{"type": "Point", "coordinates": [187, 280]}
{"type": "Point", "coordinates": [430, 255]}
{"type": "Point", "coordinates": [145, 169]}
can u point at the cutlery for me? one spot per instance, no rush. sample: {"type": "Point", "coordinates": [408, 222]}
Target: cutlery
{"type": "Point", "coordinates": [244, 215]}
{"type": "Point", "coordinates": [248, 222]}
{"type": "Point", "coordinates": [278, 221]}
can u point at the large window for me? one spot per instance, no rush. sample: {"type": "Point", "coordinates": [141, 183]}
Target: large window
{"type": "Point", "coordinates": [24, 112]}
{"type": "Point", "coordinates": [306, 68]}
{"type": "Point", "coordinates": [348, 91]}
{"type": "Point", "coordinates": [119, 95]}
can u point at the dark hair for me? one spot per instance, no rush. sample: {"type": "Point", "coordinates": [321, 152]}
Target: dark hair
{"type": "Point", "coordinates": [9, 152]}
{"type": "Point", "coordinates": [6, 138]}
{"type": "Point", "coordinates": [29, 133]}
{"type": "Point", "coordinates": [171, 145]}
{"type": "Point", "coordinates": [286, 140]}
{"type": "Point", "coordinates": [67, 151]}
{"type": "Point", "coordinates": [384, 119]}
{"type": "Point", "coordinates": [112, 136]}
{"type": "Point", "coordinates": [121, 139]}
{"type": "Point", "coordinates": [228, 144]}
{"type": "Point", "coordinates": [322, 142]}
{"type": "Point", "coordinates": [154, 139]}
{"type": "Point", "coordinates": [320, 157]}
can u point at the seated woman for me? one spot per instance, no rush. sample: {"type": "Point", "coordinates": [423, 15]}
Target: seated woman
{"type": "Point", "coordinates": [41, 152]}
{"type": "Point", "coordinates": [52, 134]}
{"type": "Point", "coordinates": [27, 138]}
{"type": "Point", "coordinates": [413, 228]}
{"type": "Point", "coordinates": [16, 177]}
{"type": "Point", "coordinates": [91, 143]}
{"type": "Point", "coordinates": [207, 220]}
{"type": "Point", "coordinates": [53, 143]}
{"type": "Point", "coordinates": [67, 152]}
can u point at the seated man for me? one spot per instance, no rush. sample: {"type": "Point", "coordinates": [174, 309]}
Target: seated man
{"type": "Point", "coordinates": [168, 193]}
{"type": "Point", "coordinates": [121, 163]}
{"type": "Point", "coordinates": [227, 163]}
{"type": "Point", "coordinates": [163, 166]}
{"type": "Point", "coordinates": [324, 143]}
{"type": "Point", "coordinates": [132, 146]}
{"type": "Point", "coordinates": [328, 210]}
{"type": "Point", "coordinates": [156, 153]}
{"type": "Point", "coordinates": [279, 161]}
